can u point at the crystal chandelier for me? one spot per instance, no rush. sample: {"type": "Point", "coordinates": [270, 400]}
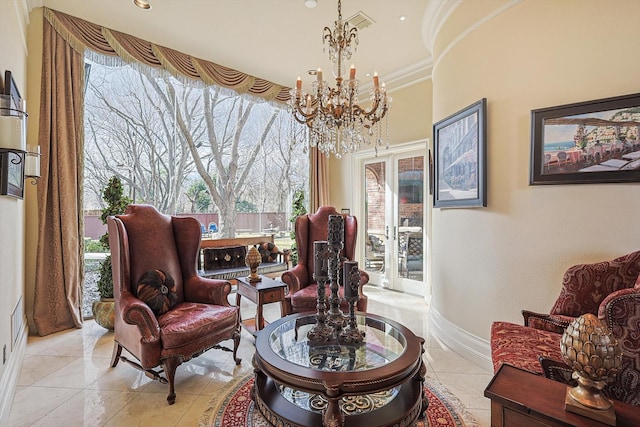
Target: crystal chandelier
{"type": "Point", "coordinates": [335, 121]}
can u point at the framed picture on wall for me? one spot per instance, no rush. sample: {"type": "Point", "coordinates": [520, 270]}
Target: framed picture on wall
{"type": "Point", "coordinates": [12, 174]}
{"type": "Point", "coordinates": [14, 106]}
{"type": "Point", "coordinates": [587, 142]}
{"type": "Point", "coordinates": [460, 174]}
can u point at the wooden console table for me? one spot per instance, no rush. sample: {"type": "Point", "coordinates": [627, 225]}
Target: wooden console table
{"type": "Point", "coordinates": [522, 399]}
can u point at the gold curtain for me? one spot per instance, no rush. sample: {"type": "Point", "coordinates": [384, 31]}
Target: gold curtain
{"type": "Point", "coordinates": [59, 264]}
{"type": "Point", "coordinates": [81, 34]}
{"type": "Point", "coordinates": [318, 180]}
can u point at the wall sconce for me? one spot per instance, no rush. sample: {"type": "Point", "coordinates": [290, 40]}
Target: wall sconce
{"type": "Point", "coordinates": [32, 163]}
{"type": "Point", "coordinates": [13, 145]}
{"type": "Point", "coordinates": [13, 125]}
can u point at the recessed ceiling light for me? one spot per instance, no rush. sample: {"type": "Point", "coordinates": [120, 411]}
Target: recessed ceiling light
{"type": "Point", "coordinates": [142, 4]}
{"type": "Point", "coordinates": [403, 17]}
{"type": "Point", "coordinates": [310, 3]}
{"type": "Point", "coordinates": [312, 72]}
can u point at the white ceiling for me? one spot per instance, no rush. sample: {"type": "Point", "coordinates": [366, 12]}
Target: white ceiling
{"type": "Point", "coordinates": [277, 40]}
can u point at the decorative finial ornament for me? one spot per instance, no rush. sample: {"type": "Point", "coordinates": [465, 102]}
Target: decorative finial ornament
{"type": "Point", "coordinates": [591, 350]}
{"type": "Point", "coordinates": [253, 260]}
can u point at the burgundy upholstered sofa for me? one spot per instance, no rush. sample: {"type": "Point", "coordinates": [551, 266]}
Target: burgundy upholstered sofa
{"type": "Point", "coordinates": [608, 289]}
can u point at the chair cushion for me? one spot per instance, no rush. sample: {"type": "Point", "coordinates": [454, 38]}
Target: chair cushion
{"type": "Point", "coordinates": [157, 289]}
{"type": "Point", "coordinates": [192, 323]}
{"type": "Point", "coordinates": [521, 346]}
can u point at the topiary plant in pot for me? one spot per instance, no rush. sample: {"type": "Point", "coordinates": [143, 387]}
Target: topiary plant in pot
{"type": "Point", "coordinates": [104, 310]}
{"type": "Point", "coordinates": [297, 209]}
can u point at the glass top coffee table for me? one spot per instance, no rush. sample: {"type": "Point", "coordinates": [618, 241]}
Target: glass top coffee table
{"type": "Point", "coordinates": [376, 383]}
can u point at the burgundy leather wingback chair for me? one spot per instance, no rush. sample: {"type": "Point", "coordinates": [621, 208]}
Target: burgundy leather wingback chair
{"type": "Point", "coordinates": [303, 290]}
{"type": "Point", "coordinates": [141, 240]}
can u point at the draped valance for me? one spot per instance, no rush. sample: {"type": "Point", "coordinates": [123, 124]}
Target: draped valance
{"type": "Point", "coordinates": [81, 35]}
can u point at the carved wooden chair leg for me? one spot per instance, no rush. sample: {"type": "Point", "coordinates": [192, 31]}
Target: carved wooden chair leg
{"type": "Point", "coordinates": [170, 366]}
{"type": "Point", "coordinates": [115, 355]}
{"type": "Point", "coordinates": [236, 343]}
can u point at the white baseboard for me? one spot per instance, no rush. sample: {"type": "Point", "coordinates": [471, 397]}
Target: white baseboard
{"type": "Point", "coordinates": [471, 347]}
{"type": "Point", "coordinates": [9, 380]}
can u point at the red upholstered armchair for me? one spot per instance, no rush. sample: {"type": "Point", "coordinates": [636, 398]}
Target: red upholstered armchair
{"type": "Point", "coordinates": [143, 240]}
{"type": "Point", "coordinates": [608, 289]}
{"type": "Point", "coordinates": [303, 290]}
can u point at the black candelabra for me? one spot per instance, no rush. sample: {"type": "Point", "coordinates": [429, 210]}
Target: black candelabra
{"type": "Point", "coordinates": [333, 325]}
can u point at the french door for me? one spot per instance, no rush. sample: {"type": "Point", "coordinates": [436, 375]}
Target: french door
{"type": "Point", "coordinates": [393, 224]}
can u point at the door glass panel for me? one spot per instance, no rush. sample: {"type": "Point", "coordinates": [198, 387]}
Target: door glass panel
{"type": "Point", "coordinates": [411, 217]}
{"type": "Point", "coordinates": [375, 202]}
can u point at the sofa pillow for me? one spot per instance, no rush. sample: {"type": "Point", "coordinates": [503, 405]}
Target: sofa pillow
{"type": "Point", "coordinates": [157, 289]}
{"type": "Point", "coordinates": [268, 251]}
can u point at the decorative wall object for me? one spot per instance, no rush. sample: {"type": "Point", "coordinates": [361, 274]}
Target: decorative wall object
{"type": "Point", "coordinates": [13, 122]}
{"type": "Point", "coordinates": [587, 142]}
{"type": "Point", "coordinates": [460, 158]}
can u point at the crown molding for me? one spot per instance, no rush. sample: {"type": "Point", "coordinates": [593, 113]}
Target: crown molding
{"type": "Point", "coordinates": [22, 17]}
{"type": "Point", "coordinates": [435, 15]}
{"type": "Point", "coordinates": [32, 4]}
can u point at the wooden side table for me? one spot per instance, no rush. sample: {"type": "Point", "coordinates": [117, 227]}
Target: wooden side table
{"type": "Point", "coordinates": [260, 293]}
{"type": "Point", "coordinates": [522, 399]}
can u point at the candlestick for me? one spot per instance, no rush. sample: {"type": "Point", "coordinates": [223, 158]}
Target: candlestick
{"type": "Point", "coordinates": [350, 278]}
{"type": "Point", "coordinates": [321, 266]}
{"type": "Point", "coordinates": [352, 72]}
{"type": "Point", "coordinates": [299, 83]}
{"type": "Point", "coordinates": [376, 82]}
{"type": "Point", "coordinates": [351, 283]}
{"type": "Point", "coordinates": [336, 230]}
{"type": "Point", "coordinates": [319, 74]}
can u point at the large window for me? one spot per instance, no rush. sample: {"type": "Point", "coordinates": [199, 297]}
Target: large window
{"type": "Point", "coordinates": [191, 149]}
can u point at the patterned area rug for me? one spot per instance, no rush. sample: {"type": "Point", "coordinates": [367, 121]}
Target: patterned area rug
{"type": "Point", "coordinates": [234, 408]}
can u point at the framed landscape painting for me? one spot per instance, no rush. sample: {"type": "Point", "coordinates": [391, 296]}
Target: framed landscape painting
{"type": "Point", "coordinates": [460, 173]}
{"type": "Point", "coordinates": [587, 142]}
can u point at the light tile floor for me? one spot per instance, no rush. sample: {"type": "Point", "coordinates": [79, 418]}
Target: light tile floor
{"type": "Point", "coordinates": [66, 378]}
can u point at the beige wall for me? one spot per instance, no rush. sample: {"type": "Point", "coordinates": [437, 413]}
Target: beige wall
{"type": "Point", "coordinates": [13, 57]}
{"type": "Point", "coordinates": [490, 263]}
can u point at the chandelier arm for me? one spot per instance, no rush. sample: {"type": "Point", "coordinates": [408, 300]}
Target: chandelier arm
{"type": "Point", "coordinates": [374, 107]}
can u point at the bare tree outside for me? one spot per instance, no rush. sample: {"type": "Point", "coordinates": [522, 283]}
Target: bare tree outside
{"type": "Point", "coordinates": [163, 136]}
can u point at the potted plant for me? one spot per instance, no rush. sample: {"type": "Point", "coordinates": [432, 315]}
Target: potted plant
{"type": "Point", "coordinates": [297, 209]}
{"type": "Point", "coordinates": [104, 309]}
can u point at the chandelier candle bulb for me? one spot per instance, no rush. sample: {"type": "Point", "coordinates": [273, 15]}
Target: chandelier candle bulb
{"type": "Point", "coordinates": [298, 85]}
{"type": "Point", "coordinates": [319, 74]}
{"type": "Point", "coordinates": [352, 72]}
